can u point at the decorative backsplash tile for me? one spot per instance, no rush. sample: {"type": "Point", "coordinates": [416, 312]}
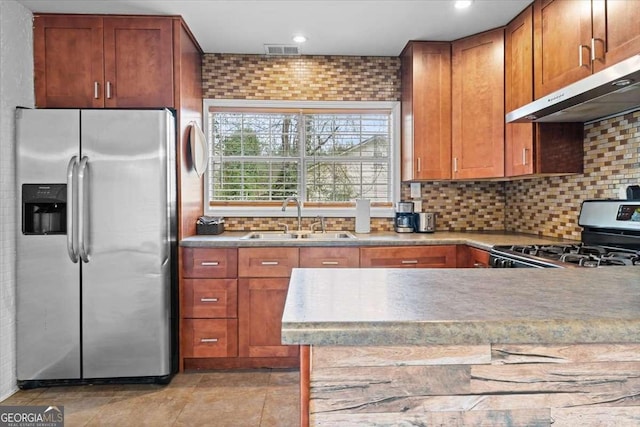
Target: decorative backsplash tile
{"type": "Point", "coordinates": [546, 206]}
{"type": "Point", "coordinates": [309, 78]}
{"type": "Point", "coordinates": [550, 206]}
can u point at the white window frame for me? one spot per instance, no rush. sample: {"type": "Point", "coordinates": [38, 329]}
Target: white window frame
{"type": "Point", "coordinates": [271, 211]}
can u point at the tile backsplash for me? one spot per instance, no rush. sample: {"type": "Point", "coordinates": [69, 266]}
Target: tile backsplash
{"type": "Point", "coordinates": [550, 206]}
{"type": "Point", "coordinates": [547, 206]}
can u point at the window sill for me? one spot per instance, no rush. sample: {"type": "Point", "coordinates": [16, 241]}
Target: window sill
{"type": "Point", "coordinates": [269, 212]}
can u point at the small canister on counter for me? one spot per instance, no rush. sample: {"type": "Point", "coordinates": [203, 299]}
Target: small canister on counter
{"type": "Point", "coordinates": [425, 222]}
{"type": "Point", "coordinates": [210, 225]}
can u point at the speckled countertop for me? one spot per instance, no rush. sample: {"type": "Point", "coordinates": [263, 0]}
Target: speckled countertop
{"type": "Point", "coordinates": [462, 306]}
{"type": "Point", "coordinates": [482, 240]}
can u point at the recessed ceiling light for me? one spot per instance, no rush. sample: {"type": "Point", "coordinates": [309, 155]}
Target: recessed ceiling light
{"type": "Point", "coordinates": [462, 4]}
{"type": "Point", "coordinates": [299, 38]}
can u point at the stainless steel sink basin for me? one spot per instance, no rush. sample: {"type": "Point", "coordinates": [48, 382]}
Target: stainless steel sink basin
{"type": "Point", "coordinates": [328, 236]}
{"type": "Point", "coordinates": [267, 235]}
{"type": "Point", "coordinates": [270, 236]}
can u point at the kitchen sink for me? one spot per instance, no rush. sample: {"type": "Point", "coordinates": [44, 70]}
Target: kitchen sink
{"type": "Point", "coordinates": [265, 235]}
{"type": "Point", "coordinates": [269, 236]}
{"type": "Point", "coordinates": [328, 236]}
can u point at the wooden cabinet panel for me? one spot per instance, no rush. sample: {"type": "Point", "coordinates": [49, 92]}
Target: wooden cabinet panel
{"type": "Point", "coordinates": [209, 338]}
{"type": "Point", "coordinates": [562, 33]}
{"type": "Point", "coordinates": [616, 31]}
{"type": "Point", "coordinates": [86, 61]}
{"type": "Point", "coordinates": [209, 263]}
{"type": "Point", "coordinates": [267, 262]}
{"type": "Point", "coordinates": [540, 148]}
{"type": "Point", "coordinates": [409, 257]}
{"type": "Point", "coordinates": [210, 298]}
{"type": "Point", "coordinates": [138, 62]}
{"type": "Point", "coordinates": [261, 304]}
{"type": "Point", "coordinates": [426, 111]}
{"type": "Point", "coordinates": [68, 61]}
{"type": "Point", "coordinates": [478, 106]}
{"type": "Point", "coordinates": [478, 258]}
{"type": "Point", "coordinates": [339, 257]}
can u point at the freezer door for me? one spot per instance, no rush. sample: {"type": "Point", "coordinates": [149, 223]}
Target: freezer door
{"type": "Point", "coordinates": [126, 276]}
{"type": "Point", "coordinates": [47, 281]}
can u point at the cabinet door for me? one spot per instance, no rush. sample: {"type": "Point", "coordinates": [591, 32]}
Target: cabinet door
{"type": "Point", "coordinates": [519, 92]}
{"type": "Point", "coordinates": [261, 304]}
{"type": "Point", "coordinates": [209, 338]}
{"type": "Point", "coordinates": [68, 67]}
{"type": "Point", "coordinates": [209, 262]}
{"type": "Point", "coordinates": [339, 257]}
{"type": "Point", "coordinates": [616, 31]}
{"type": "Point", "coordinates": [209, 298]}
{"type": "Point", "coordinates": [267, 262]}
{"type": "Point", "coordinates": [478, 106]}
{"type": "Point", "coordinates": [426, 111]}
{"type": "Point", "coordinates": [138, 58]}
{"type": "Point", "coordinates": [562, 43]}
{"type": "Point", "coordinates": [478, 258]}
{"type": "Point", "coordinates": [409, 257]}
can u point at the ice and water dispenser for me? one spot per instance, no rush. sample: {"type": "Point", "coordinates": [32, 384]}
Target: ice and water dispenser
{"type": "Point", "coordinates": [44, 209]}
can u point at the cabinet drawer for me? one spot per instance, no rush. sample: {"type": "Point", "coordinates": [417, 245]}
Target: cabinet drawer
{"type": "Point", "coordinates": [209, 263]}
{"type": "Point", "coordinates": [210, 298]}
{"type": "Point", "coordinates": [329, 257]}
{"type": "Point", "coordinates": [267, 262]}
{"type": "Point", "coordinates": [409, 257]}
{"type": "Point", "coordinates": [210, 337]}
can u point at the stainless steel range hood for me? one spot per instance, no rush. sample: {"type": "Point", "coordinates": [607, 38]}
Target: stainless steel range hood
{"type": "Point", "coordinates": [608, 92]}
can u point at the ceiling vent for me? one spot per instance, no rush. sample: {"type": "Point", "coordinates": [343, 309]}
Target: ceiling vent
{"type": "Point", "coordinates": [281, 49]}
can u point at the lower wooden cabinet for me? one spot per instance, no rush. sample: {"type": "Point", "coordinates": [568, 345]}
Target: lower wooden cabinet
{"type": "Point", "coordinates": [261, 303]}
{"type": "Point", "coordinates": [209, 338]}
{"type": "Point", "coordinates": [330, 257]}
{"type": "Point", "coordinates": [470, 257]}
{"type": "Point", "coordinates": [409, 257]}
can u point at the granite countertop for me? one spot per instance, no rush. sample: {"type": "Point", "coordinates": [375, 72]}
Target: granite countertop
{"type": "Point", "coordinates": [462, 306]}
{"type": "Point", "coordinates": [481, 240]}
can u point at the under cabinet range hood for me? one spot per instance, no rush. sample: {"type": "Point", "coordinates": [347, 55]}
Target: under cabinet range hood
{"type": "Point", "coordinates": [611, 91]}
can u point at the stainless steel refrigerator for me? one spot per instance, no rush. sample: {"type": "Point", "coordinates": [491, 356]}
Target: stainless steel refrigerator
{"type": "Point", "coordinates": [96, 248]}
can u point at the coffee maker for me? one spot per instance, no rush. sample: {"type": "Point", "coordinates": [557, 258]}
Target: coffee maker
{"type": "Point", "coordinates": [404, 221]}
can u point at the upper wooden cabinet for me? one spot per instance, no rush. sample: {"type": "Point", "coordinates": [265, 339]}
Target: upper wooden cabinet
{"type": "Point", "coordinates": [90, 61]}
{"type": "Point", "coordinates": [575, 38]}
{"type": "Point", "coordinates": [478, 106]}
{"type": "Point", "coordinates": [426, 111]}
{"type": "Point", "coordinates": [542, 148]}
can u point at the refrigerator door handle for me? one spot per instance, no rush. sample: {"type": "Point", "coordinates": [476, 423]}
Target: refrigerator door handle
{"type": "Point", "coordinates": [72, 212]}
{"type": "Point", "coordinates": [83, 210]}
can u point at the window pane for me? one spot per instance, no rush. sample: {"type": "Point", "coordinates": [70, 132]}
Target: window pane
{"type": "Point", "coordinates": [347, 135]}
{"type": "Point", "coordinates": [264, 134]}
{"type": "Point", "coordinates": [253, 180]}
{"type": "Point", "coordinates": [345, 181]}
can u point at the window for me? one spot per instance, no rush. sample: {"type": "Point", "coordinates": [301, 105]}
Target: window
{"type": "Point", "coordinates": [326, 153]}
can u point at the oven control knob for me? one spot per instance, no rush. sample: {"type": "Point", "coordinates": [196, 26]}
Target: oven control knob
{"type": "Point", "coordinates": [509, 263]}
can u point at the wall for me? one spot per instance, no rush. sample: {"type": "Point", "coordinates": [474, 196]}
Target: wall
{"type": "Point", "coordinates": [550, 206]}
{"type": "Point", "coordinates": [16, 88]}
{"type": "Point", "coordinates": [461, 206]}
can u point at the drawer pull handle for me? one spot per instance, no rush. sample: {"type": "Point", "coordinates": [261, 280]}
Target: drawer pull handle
{"type": "Point", "coordinates": [409, 261]}
{"type": "Point", "coordinates": [206, 340]}
{"type": "Point", "coordinates": [330, 262]}
{"type": "Point", "coordinates": [208, 299]}
{"type": "Point", "coordinates": [269, 262]}
{"type": "Point", "coordinates": [209, 263]}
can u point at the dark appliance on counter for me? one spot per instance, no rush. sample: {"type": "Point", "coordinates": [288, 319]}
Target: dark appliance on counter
{"type": "Point", "coordinates": [404, 221]}
{"type": "Point", "coordinates": [96, 262]}
{"type": "Point", "coordinates": [610, 237]}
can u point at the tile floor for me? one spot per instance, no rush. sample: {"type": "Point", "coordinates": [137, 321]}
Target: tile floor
{"type": "Point", "coordinates": [257, 398]}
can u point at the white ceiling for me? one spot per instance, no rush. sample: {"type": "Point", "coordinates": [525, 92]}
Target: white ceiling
{"type": "Point", "coordinates": [333, 27]}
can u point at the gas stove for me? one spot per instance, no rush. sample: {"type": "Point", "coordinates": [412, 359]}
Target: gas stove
{"type": "Point", "coordinates": [610, 237]}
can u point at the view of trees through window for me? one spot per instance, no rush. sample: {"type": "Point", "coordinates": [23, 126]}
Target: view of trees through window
{"type": "Point", "coordinates": [328, 157]}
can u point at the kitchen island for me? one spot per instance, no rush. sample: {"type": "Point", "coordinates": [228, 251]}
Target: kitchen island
{"type": "Point", "coordinates": [467, 347]}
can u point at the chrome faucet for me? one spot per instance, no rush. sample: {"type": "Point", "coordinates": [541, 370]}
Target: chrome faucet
{"type": "Point", "coordinates": [320, 223]}
{"type": "Point", "coordinates": [294, 199]}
